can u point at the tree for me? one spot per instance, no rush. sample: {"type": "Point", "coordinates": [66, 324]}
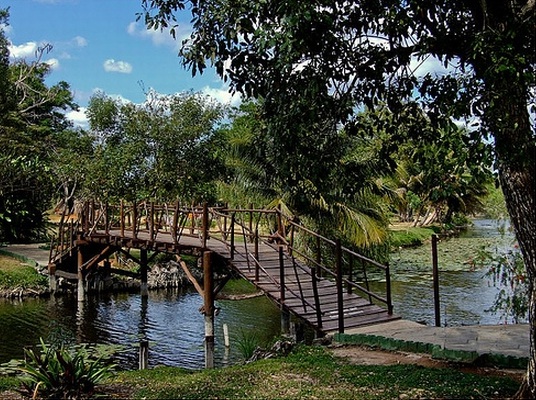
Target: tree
{"type": "Point", "coordinates": [162, 149]}
{"type": "Point", "coordinates": [330, 185]}
{"type": "Point", "coordinates": [31, 116]}
{"type": "Point", "coordinates": [334, 56]}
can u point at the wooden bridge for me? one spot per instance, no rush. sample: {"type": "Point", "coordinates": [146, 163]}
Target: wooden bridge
{"type": "Point", "coordinates": [307, 275]}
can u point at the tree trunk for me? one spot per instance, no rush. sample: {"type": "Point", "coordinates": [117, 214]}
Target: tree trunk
{"type": "Point", "coordinates": [516, 151]}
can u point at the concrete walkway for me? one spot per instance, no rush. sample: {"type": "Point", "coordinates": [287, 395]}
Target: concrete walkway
{"type": "Point", "coordinates": [500, 345]}
{"type": "Point", "coordinates": [28, 251]}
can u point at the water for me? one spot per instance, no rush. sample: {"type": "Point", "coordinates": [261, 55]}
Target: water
{"type": "Point", "coordinates": [465, 292]}
{"type": "Point", "coordinates": [169, 320]}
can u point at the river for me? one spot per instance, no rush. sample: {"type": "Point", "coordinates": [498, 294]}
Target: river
{"type": "Point", "coordinates": [170, 319]}
{"type": "Point", "coordinates": [465, 292]}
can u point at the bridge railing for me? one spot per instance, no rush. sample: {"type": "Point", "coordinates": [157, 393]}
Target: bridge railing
{"type": "Point", "coordinates": [242, 230]}
{"type": "Point", "coordinates": [318, 256]}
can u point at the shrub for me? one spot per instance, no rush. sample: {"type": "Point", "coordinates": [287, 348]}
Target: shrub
{"type": "Point", "coordinates": [61, 372]}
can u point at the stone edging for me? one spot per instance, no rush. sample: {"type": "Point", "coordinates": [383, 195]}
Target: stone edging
{"type": "Point", "coordinates": [436, 351]}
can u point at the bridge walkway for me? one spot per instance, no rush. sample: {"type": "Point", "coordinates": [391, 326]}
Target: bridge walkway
{"type": "Point", "coordinates": [307, 287]}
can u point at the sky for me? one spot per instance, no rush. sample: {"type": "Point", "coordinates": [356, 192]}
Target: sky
{"type": "Point", "coordinates": [97, 45]}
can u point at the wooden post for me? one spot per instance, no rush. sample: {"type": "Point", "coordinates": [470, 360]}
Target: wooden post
{"type": "Point", "coordinates": [175, 228]}
{"type": "Point", "coordinates": [143, 272]}
{"type": "Point", "coordinates": [285, 316]}
{"type": "Point", "coordinates": [52, 281]}
{"type": "Point", "coordinates": [106, 219]}
{"type": "Point", "coordinates": [318, 257]}
{"type": "Point", "coordinates": [281, 274]}
{"type": "Point", "coordinates": [250, 222]}
{"type": "Point", "coordinates": [350, 272]}
{"type": "Point", "coordinates": [338, 267]}
{"type": "Point", "coordinates": [317, 298]}
{"type": "Point", "coordinates": [208, 291]}
{"type": "Point", "coordinates": [387, 289]}
{"type": "Point", "coordinates": [280, 229]}
{"type": "Point", "coordinates": [257, 255]}
{"type": "Point", "coordinates": [226, 336]}
{"type": "Point", "coordinates": [134, 220]}
{"type": "Point", "coordinates": [151, 222]}
{"type": "Point", "coordinates": [225, 233]}
{"type": "Point", "coordinates": [122, 217]}
{"type": "Point", "coordinates": [144, 354]}
{"type": "Point", "coordinates": [435, 269]}
{"type": "Point", "coordinates": [205, 224]}
{"type": "Point", "coordinates": [81, 280]}
{"type": "Point", "coordinates": [232, 235]}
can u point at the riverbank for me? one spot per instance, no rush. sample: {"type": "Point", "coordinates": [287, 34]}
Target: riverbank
{"type": "Point", "coordinates": [311, 372]}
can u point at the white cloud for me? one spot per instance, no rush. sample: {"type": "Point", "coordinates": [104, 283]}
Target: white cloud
{"type": "Point", "coordinates": [222, 95]}
{"type": "Point", "coordinates": [23, 50]}
{"type": "Point", "coordinates": [78, 118]}
{"type": "Point", "coordinates": [429, 64]}
{"type": "Point", "coordinates": [54, 63]}
{"type": "Point", "coordinates": [79, 41]}
{"type": "Point", "coordinates": [122, 67]}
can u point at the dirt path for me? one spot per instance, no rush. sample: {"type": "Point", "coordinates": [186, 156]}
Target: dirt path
{"type": "Point", "coordinates": [361, 355]}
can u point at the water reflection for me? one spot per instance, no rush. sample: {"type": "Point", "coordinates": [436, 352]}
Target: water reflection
{"type": "Point", "coordinates": [169, 320]}
{"type": "Point", "coordinates": [465, 292]}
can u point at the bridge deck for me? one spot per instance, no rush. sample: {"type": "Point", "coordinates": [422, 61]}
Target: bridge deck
{"type": "Point", "coordinates": [299, 298]}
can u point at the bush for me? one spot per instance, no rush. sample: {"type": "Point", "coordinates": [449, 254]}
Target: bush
{"type": "Point", "coordinates": [62, 372]}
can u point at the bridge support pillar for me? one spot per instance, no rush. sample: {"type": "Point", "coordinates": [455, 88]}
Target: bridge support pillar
{"type": "Point", "coordinates": [285, 321]}
{"type": "Point", "coordinates": [52, 281]}
{"type": "Point", "coordinates": [143, 269]}
{"type": "Point", "coordinates": [81, 292]}
{"type": "Point", "coordinates": [208, 291]}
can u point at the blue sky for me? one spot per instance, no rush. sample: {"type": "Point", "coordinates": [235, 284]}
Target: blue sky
{"type": "Point", "coordinates": [99, 46]}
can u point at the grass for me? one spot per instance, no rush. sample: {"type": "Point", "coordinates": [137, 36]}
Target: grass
{"type": "Point", "coordinates": [239, 286]}
{"type": "Point", "coordinates": [311, 372]}
{"type": "Point", "coordinates": [14, 273]}
{"type": "Point", "coordinates": [409, 236]}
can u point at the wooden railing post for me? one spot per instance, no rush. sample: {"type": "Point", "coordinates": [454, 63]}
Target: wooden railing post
{"type": "Point", "coordinates": [280, 229]}
{"type": "Point", "coordinates": [338, 267]}
{"type": "Point", "coordinates": [318, 257]}
{"type": "Point", "coordinates": [350, 272]}
{"type": "Point", "coordinates": [106, 219]}
{"type": "Point", "coordinates": [151, 222]}
{"type": "Point", "coordinates": [281, 274]}
{"type": "Point", "coordinates": [205, 224]}
{"type": "Point", "coordinates": [122, 217]}
{"type": "Point", "coordinates": [232, 235]}
{"type": "Point", "coordinates": [250, 222]}
{"type": "Point", "coordinates": [134, 220]}
{"type": "Point", "coordinates": [291, 244]}
{"type": "Point", "coordinates": [435, 272]}
{"type": "Point", "coordinates": [92, 214]}
{"type": "Point", "coordinates": [225, 234]}
{"type": "Point", "coordinates": [175, 228]}
{"type": "Point", "coordinates": [256, 255]}
{"type": "Point", "coordinates": [317, 298]}
{"type": "Point", "coordinates": [388, 289]}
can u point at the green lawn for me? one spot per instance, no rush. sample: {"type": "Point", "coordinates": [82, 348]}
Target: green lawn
{"type": "Point", "coordinates": [311, 373]}
{"type": "Point", "coordinates": [15, 273]}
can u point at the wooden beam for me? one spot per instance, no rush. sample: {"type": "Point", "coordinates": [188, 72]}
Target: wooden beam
{"type": "Point", "coordinates": [190, 276]}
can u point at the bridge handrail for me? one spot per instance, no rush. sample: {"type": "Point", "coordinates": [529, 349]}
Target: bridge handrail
{"type": "Point", "coordinates": [225, 223]}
